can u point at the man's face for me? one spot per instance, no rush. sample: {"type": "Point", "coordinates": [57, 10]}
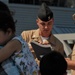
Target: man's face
{"type": "Point", "coordinates": [45, 27]}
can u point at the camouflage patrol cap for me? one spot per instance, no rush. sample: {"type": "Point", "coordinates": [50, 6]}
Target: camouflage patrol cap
{"type": "Point", "coordinates": [45, 13]}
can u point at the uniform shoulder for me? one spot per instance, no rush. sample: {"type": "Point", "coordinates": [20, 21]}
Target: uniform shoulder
{"type": "Point", "coordinates": [29, 31]}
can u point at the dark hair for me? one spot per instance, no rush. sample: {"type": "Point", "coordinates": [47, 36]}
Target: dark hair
{"type": "Point", "coordinates": [6, 19]}
{"type": "Point", "coordinates": [4, 7]}
{"type": "Point", "coordinates": [53, 64]}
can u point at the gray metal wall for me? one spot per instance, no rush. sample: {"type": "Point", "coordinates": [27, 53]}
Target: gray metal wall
{"type": "Point", "coordinates": [26, 18]}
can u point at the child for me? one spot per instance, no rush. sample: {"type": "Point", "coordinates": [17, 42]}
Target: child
{"type": "Point", "coordinates": [14, 54]}
{"type": "Point", "coordinates": [53, 64]}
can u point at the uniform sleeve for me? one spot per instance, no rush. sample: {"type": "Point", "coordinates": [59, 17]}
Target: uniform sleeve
{"type": "Point", "coordinates": [73, 53]}
{"type": "Point", "coordinates": [26, 35]}
{"type": "Point", "coordinates": [61, 49]}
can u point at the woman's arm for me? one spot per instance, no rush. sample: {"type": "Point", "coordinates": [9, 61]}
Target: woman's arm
{"type": "Point", "coordinates": [11, 47]}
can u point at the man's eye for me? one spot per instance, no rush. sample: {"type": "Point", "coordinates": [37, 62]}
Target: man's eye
{"type": "Point", "coordinates": [42, 23]}
{"type": "Point", "coordinates": [49, 23]}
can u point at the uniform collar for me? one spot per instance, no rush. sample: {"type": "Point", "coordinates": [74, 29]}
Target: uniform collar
{"type": "Point", "coordinates": [51, 37]}
{"type": "Point", "coordinates": [52, 40]}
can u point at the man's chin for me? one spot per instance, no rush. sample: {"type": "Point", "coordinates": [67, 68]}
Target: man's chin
{"type": "Point", "coordinates": [46, 35]}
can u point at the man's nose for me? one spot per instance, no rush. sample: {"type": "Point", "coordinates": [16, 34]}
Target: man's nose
{"type": "Point", "coordinates": [46, 26]}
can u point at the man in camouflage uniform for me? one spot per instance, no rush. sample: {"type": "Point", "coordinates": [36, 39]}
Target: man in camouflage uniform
{"type": "Point", "coordinates": [43, 34]}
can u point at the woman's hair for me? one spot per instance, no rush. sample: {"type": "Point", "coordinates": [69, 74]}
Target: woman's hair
{"type": "Point", "coordinates": [4, 7]}
{"type": "Point", "coordinates": [53, 64]}
{"type": "Point", "coordinates": [6, 19]}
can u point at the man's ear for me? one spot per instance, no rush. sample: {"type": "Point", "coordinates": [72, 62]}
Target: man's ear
{"type": "Point", "coordinates": [53, 19]}
{"type": "Point", "coordinates": [37, 21]}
